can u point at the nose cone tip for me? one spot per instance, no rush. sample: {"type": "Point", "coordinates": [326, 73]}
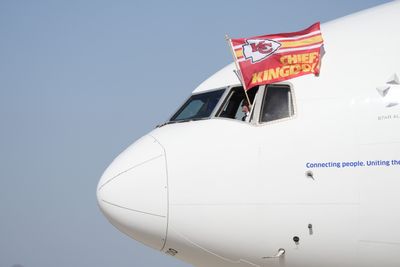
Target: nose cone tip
{"type": "Point", "coordinates": [132, 192]}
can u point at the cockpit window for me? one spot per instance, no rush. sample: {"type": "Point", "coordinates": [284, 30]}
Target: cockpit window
{"type": "Point", "coordinates": [198, 106]}
{"type": "Point", "coordinates": [234, 103]}
{"type": "Point", "coordinates": [277, 103]}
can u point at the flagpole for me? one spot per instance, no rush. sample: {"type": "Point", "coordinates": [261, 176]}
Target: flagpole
{"type": "Point", "coordinates": [239, 73]}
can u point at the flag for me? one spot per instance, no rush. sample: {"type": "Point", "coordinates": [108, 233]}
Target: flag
{"type": "Point", "coordinates": [277, 57]}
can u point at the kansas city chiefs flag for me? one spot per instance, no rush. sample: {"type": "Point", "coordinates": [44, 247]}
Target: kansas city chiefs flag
{"type": "Point", "coordinates": [278, 57]}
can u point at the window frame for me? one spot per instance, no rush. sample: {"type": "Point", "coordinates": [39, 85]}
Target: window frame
{"type": "Point", "coordinates": [262, 92]}
{"type": "Point", "coordinates": [225, 102]}
{"type": "Point", "coordinates": [212, 114]}
{"type": "Point", "coordinates": [227, 97]}
{"type": "Point", "coordinates": [255, 113]}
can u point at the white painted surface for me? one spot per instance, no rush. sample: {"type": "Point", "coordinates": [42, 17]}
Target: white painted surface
{"type": "Point", "coordinates": [132, 192]}
{"type": "Point", "coordinates": [238, 191]}
{"type": "Point", "coordinates": [224, 77]}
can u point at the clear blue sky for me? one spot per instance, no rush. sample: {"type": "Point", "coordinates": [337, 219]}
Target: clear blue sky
{"type": "Point", "coordinates": [79, 82]}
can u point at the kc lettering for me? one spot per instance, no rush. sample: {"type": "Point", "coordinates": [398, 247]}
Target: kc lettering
{"type": "Point", "coordinates": [259, 49]}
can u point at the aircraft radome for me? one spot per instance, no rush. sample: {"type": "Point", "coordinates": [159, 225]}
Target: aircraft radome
{"type": "Point", "coordinates": [311, 177]}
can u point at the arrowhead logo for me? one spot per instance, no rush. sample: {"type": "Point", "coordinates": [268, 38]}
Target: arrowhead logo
{"type": "Point", "coordinates": [259, 49]}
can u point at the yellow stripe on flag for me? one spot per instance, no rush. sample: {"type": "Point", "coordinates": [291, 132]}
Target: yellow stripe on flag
{"type": "Point", "coordinates": [239, 53]}
{"type": "Point", "coordinates": [308, 41]}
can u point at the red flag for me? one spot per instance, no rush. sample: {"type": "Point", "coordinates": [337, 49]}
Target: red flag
{"type": "Point", "coordinates": [278, 57]}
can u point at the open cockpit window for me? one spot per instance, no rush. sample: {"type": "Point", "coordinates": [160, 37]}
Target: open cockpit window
{"type": "Point", "coordinates": [198, 106]}
{"type": "Point", "coordinates": [234, 106]}
{"type": "Point", "coordinates": [277, 103]}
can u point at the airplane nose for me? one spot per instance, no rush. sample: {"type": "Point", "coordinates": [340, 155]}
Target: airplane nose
{"type": "Point", "coordinates": [132, 192]}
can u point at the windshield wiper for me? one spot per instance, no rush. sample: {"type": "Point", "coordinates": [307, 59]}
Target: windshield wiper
{"type": "Point", "coordinates": [165, 123]}
{"type": "Point", "coordinates": [180, 121]}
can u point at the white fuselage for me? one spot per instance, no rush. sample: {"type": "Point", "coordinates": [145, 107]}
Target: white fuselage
{"type": "Point", "coordinates": [223, 192]}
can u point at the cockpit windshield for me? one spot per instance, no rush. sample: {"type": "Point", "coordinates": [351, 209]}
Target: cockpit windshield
{"type": "Point", "coordinates": [198, 106]}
